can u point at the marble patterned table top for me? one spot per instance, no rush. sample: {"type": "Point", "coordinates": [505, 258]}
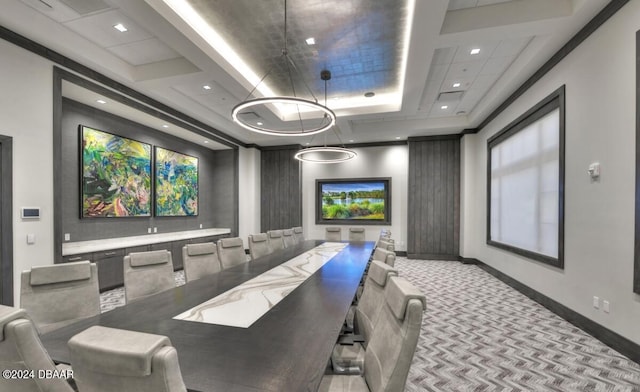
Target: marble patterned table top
{"type": "Point", "coordinates": [245, 304]}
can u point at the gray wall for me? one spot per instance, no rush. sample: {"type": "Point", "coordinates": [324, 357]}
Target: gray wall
{"type": "Point", "coordinates": [280, 191]}
{"type": "Point", "coordinates": [434, 198]}
{"type": "Point", "coordinates": [217, 199]}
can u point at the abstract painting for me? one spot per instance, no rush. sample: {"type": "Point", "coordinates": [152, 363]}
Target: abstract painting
{"type": "Point", "coordinates": [356, 201]}
{"type": "Point", "coordinates": [116, 175]}
{"type": "Point", "coordinates": [176, 183]}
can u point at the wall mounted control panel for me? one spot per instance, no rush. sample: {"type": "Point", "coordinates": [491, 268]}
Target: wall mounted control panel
{"type": "Point", "coordinates": [30, 212]}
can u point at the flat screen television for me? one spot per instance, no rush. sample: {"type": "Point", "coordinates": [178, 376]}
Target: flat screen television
{"type": "Point", "coordinates": [353, 201]}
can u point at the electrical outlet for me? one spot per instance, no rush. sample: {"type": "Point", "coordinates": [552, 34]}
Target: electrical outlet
{"type": "Point", "coordinates": [605, 306]}
{"type": "Point", "coordinates": [201, 225]}
{"type": "Point", "coordinates": [149, 230]}
{"type": "Point", "coordinates": [67, 236]}
{"type": "Point", "coordinates": [596, 302]}
{"type": "Point", "coordinates": [155, 229]}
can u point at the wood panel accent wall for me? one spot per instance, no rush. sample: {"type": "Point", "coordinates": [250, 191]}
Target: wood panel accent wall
{"type": "Point", "coordinates": [280, 188]}
{"type": "Point", "coordinates": [434, 198]}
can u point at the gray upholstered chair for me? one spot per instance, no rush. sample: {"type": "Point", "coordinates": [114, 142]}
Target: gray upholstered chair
{"type": "Point", "coordinates": [147, 273]}
{"type": "Point", "coordinates": [231, 252]}
{"type": "Point", "coordinates": [275, 239]}
{"type": "Point", "coordinates": [288, 238]}
{"type": "Point", "coordinates": [200, 260]}
{"type": "Point", "coordinates": [356, 234]}
{"type": "Point", "coordinates": [259, 245]}
{"type": "Point", "coordinates": [333, 234]}
{"type": "Point", "coordinates": [21, 349]}
{"type": "Point", "coordinates": [393, 342]}
{"type": "Point", "coordinates": [298, 234]}
{"type": "Point", "coordinates": [349, 357]}
{"type": "Point", "coordinates": [385, 256]}
{"type": "Point", "coordinates": [115, 360]}
{"type": "Point", "coordinates": [388, 244]}
{"type": "Point", "coordinates": [60, 294]}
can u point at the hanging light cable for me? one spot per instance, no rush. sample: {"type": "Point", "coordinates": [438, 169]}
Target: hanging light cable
{"type": "Point", "coordinates": [328, 116]}
{"type": "Point", "coordinates": [326, 154]}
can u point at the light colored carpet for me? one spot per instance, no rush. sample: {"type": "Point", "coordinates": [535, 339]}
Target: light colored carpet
{"type": "Point", "coordinates": [479, 334]}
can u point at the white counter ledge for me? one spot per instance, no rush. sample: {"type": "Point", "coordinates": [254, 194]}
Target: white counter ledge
{"type": "Point", "coordinates": [74, 248]}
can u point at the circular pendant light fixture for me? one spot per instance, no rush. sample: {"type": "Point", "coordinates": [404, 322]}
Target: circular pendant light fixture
{"type": "Point", "coordinates": [326, 154]}
{"type": "Point", "coordinates": [300, 105]}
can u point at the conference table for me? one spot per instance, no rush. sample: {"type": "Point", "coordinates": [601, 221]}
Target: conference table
{"type": "Point", "coordinates": [287, 349]}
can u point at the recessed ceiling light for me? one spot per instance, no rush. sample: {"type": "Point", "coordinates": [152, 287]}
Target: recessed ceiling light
{"type": "Point", "coordinates": [307, 143]}
{"type": "Point", "coordinates": [206, 87]}
{"type": "Point", "coordinates": [206, 141]}
{"type": "Point", "coordinates": [444, 107]}
{"type": "Point", "coordinates": [310, 41]}
{"type": "Point", "coordinates": [165, 126]}
{"type": "Point", "coordinates": [101, 101]}
{"type": "Point", "coordinates": [456, 84]}
{"type": "Point", "coordinates": [369, 94]}
{"type": "Point", "coordinates": [351, 141]}
{"type": "Point", "coordinates": [259, 123]}
{"type": "Point", "coordinates": [397, 137]}
{"type": "Point", "coordinates": [120, 27]}
{"type": "Point", "coordinates": [475, 51]}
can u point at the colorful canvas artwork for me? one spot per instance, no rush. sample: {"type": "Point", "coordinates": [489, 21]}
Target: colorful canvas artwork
{"type": "Point", "coordinates": [116, 175]}
{"type": "Point", "coordinates": [176, 183]}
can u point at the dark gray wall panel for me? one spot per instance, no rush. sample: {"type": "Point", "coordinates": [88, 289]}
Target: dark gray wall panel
{"type": "Point", "coordinates": [434, 198]}
{"type": "Point", "coordinates": [224, 192]}
{"type": "Point", "coordinates": [217, 193]}
{"type": "Point", "coordinates": [280, 189]}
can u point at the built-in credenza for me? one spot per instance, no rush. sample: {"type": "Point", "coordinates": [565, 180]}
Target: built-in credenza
{"type": "Point", "coordinates": [108, 254]}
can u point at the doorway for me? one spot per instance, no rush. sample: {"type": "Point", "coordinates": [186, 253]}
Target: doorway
{"type": "Point", "coordinates": [6, 221]}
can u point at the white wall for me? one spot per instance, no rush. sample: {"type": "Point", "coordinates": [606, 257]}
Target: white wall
{"type": "Point", "coordinates": [392, 161]}
{"type": "Point", "coordinates": [249, 192]}
{"type": "Point", "coordinates": [26, 115]}
{"type": "Point", "coordinates": [599, 216]}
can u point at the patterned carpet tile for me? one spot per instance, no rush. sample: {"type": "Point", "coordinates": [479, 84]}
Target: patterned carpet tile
{"type": "Point", "coordinates": [479, 334]}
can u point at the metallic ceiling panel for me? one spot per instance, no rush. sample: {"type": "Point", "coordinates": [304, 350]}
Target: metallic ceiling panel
{"type": "Point", "coordinates": [360, 42]}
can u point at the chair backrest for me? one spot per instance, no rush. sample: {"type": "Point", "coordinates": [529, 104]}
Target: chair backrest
{"type": "Point", "coordinates": [60, 294]}
{"type": "Point", "coordinates": [259, 245]}
{"type": "Point", "coordinates": [21, 349]}
{"type": "Point", "coordinates": [200, 260]}
{"type": "Point", "coordinates": [385, 234]}
{"type": "Point", "coordinates": [113, 360]}
{"type": "Point", "coordinates": [385, 256]}
{"type": "Point", "coordinates": [333, 234]}
{"type": "Point", "coordinates": [275, 239]}
{"type": "Point", "coordinates": [298, 234]}
{"type": "Point", "coordinates": [147, 273]}
{"type": "Point", "coordinates": [288, 238]}
{"type": "Point", "coordinates": [372, 299]}
{"type": "Point", "coordinates": [388, 244]}
{"type": "Point", "coordinates": [356, 234]}
{"type": "Point", "coordinates": [231, 252]}
{"type": "Point", "coordinates": [395, 337]}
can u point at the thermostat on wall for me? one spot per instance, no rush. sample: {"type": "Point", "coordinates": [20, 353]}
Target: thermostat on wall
{"type": "Point", "coordinates": [30, 212]}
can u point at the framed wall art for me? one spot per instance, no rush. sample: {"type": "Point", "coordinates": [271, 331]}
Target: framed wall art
{"type": "Point", "coordinates": [115, 175]}
{"type": "Point", "coordinates": [176, 184]}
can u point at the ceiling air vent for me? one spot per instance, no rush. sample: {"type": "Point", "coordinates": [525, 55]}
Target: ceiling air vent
{"type": "Point", "coordinates": [84, 7]}
{"type": "Point", "coordinates": [449, 96]}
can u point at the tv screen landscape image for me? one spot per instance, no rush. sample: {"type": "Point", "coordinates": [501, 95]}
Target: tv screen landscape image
{"type": "Point", "coordinates": [353, 201]}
